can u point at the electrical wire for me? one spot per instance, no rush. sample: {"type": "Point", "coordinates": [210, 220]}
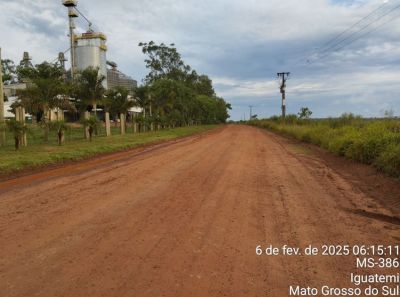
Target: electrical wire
{"type": "Point", "coordinates": [368, 32]}
{"type": "Point", "coordinates": [325, 46]}
{"type": "Point", "coordinates": [354, 25]}
{"type": "Point", "coordinates": [350, 38]}
{"type": "Point", "coordinates": [360, 30]}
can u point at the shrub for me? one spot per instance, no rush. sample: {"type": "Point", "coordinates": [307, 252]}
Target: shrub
{"type": "Point", "coordinates": [374, 142]}
{"type": "Point", "coordinates": [389, 160]}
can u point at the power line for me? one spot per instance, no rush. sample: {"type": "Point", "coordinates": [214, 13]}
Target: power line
{"type": "Point", "coordinates": [335, 49]}
{"type": "Point", "coordinates": [368, 32]}
{"type": "Point", "coordinates": [360, 30]}
{"type": "Point", "coordinates": [354, 25]}
{"type": "Point", "coordinates": [353, 36]}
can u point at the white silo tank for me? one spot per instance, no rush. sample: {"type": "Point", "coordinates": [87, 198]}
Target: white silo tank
{"type": "Point", "coordinates": [90, 51]}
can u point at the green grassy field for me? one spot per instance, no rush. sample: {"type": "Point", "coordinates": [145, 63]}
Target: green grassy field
{"type": "Point", "coordinates": [375, 142]}
{"type": "Point", "coordinates": [76, 148]}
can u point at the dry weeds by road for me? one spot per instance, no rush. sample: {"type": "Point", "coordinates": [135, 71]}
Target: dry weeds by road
{"type": "Point", "coordinates": [184, 220]}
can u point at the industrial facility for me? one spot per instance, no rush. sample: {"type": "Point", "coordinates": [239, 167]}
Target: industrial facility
{"type": "Point", "coordinates": [116, 78]}
{"type": "Point", "coordinates": [89, 49]}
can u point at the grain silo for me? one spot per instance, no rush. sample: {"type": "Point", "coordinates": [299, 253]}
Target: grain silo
{"type": "Point", "coordinates": [90, 51]}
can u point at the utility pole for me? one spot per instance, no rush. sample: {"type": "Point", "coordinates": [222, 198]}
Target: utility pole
{"type": "Point", "coordinates": [251, 111]}
{"type": "Point", "coordinates": [2, 120]}
{"type": "Point", "coordinates": [284, 76]}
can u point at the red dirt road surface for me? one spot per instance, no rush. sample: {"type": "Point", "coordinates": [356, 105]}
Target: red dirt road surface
{"type": "Point", "coordinates": [184, 219]}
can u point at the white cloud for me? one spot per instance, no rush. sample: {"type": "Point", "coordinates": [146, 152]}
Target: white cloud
{"type": "Point", "coordinates": [240, 44]}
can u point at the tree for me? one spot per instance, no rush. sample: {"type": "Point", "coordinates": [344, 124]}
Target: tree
{"type": "Point", "coordinates": [222, 110]}
{"type": "Point", "coordinates": [169, 95]}
{"type": "Point", "coordinates": [305, 113]}
{"type": "Point", "coordinates": [9, 71]}
{"type": "Point", "coordinates": [163, 61]}
{"type": "Point", "coordinates": [176, 90]}
{"type": "Point", "coordinates": [17, 129]}
{"type": "Point", "coordinates": [60, 127]}
{"type": "Point", "coordinates": [89, 89]}
{"type": "Point", "coordinates": [117, 101]}
{"type": "Point", "coordinates": [142, 97]}
{"type": "Point", "coordinates": [91, 124]}
{"type": "Point", "coordinates": [46, 91]}
{"type": "Point", "coordinates": [201, 84]}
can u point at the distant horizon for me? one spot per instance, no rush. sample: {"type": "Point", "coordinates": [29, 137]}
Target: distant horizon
{"type": "Point", "coordinates": [327, 118]}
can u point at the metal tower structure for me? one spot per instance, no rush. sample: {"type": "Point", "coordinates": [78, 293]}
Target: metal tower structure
{"type": "Point", "coordinates": [26, 60]}
{"type": "Point", "coordinates": [61, 60]}
{"type": "Point", "coordinates": [71, 5]}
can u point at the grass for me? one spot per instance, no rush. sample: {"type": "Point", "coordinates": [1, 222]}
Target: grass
{"type": "Point", "coordinates": [295, 148]}
{"type": "Point", "coordinates": [37, 153]}
{"type": "Point", "coordinates": [375, 142]}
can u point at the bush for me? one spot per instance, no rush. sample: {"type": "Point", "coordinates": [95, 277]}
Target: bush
{"type": "Point", "coordinates": [389, 160]}
{"type": "Point", "coordinates": [374, 142]}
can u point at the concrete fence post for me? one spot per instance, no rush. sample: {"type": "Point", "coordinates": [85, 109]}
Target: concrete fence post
{"type": "Point", "coordinates": [17, 114]}
{"type": "Point", "coordinates": [24, 140]}
{"type": "Point", "coordinates": [60, 115]}
{"type": "Point", "coordinates": [122, 123]}
{"type": "Point", "coordinates": [20, 117]}
{"type": "Point", "coordinates": [108, 126]}
{"type": "Point", "coordinates": [87, 116]}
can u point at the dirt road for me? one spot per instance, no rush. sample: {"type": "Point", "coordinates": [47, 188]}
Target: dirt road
{"type": "Point", "coordinates": [184, 219]}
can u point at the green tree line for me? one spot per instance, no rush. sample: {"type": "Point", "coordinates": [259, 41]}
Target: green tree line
{"type": "Point", "coordinates": [172, 93]}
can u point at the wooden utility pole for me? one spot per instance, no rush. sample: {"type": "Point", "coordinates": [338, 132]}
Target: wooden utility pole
{"type": "Point", "coordinates": [2, 120]}
{"type": "Point", "coordinates": [284, 76]}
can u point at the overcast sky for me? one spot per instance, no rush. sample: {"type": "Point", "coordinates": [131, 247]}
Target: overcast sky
{"type": "Point", "coordinates": [241, 45]}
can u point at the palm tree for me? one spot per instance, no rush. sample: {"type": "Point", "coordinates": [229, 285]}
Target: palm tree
{"type": "Point", "coordinates": [60, 127]}
{"type": "Point", "coordinates": [139, 119]}
{"type": "Point", "coordinates": [17, 129]}
{"type": "Point", "coordinates": [118, 102]}
{"type": "Point", "coordinates": [90, 88]}
{"type": "Point", "coordinates": [142, 100]}
{"type": "Point", "coordinates": [92, 124]}
{"type": "Point", "coordinates": [46, 91]}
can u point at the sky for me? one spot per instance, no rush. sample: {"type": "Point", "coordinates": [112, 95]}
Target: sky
{"type": "Point", "coordinates": [240, 45]}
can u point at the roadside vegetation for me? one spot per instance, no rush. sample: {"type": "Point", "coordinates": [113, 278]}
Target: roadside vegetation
{"type": "Point", "coordinates": [172, 94]}
{"type": "Point", "coordinates": [370, 141]}
{"type": "Point", "coordinates": [77, 148]}
{"type": "Point", "coordinates": [58, 119]}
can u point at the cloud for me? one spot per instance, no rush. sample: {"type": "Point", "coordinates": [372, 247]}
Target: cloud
{"type": "Point", "coordinates": [241, 45]}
